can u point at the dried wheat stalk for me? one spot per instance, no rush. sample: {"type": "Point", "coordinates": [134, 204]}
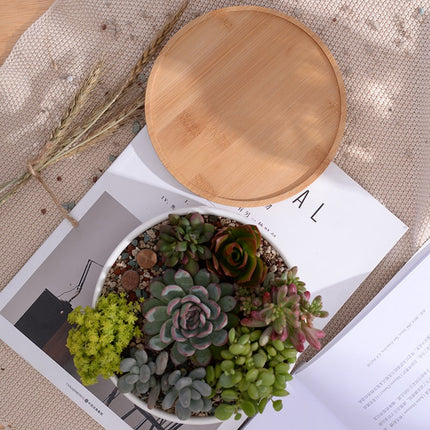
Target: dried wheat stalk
{"type": "Point", "coordinates": [70, 138]}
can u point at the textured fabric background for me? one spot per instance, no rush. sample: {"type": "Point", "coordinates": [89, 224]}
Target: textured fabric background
{"type": "Point", "coordinates": [382, 51]}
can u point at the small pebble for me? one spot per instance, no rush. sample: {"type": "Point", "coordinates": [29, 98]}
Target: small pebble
{"type": "Point", "coordinates": [95, 179]}
{"type": "Point", "coordinates": [59, 178]}
{"type": "Point", "coordinates": [146, 258]}
{"type": "Point", "coordinates": [130, 280]}
{"type": "Point", "coordinates": [146, 237]}
{"type": "Point", "coordinates": [421, 11]}
{"type": "Point", "coordinates": [112, 158]}
{"type": "Point", "coordinates": [69, 78]}
{"type": "Point", "coordinates": [136, 127]}
{"type": "Point", "coordinates": [125, 256]}
{"type": "Point", "coordinates": [134, 242]}
{"type": "Point", "coordinates": [68, 205]}
{"type": "Point", "coordinates": [43, 211]}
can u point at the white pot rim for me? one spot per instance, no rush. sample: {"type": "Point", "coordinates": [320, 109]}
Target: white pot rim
{"type": "Point", "coordinates": [204, 210]}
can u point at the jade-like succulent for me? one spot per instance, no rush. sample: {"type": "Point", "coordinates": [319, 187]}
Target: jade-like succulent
{"type": "Point", "coordinates": [287, 313]}
{"type": "Point", "coordinates": [248, 375]}
{"type": "Point", "coordinates": [189, 313]}
{"type": "Point", "coordinates": [234, 254]}
{"type": "Point", "coordinates": [187, 392]}
{"type": "Point", "coordinates": [183, 241]}
{"type": "Point", "coordinates": [142, 375]}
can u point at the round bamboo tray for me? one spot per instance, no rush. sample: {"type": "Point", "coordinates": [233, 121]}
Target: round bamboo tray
{"type": "Point", "coordinates": [245, 106]}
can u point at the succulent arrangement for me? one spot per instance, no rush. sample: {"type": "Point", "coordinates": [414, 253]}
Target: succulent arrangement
{"type": "Point", "coordinates": [212, 327]}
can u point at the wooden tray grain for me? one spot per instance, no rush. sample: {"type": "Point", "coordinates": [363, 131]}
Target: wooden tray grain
{"type": "Point", "coordinates": [245, 106]}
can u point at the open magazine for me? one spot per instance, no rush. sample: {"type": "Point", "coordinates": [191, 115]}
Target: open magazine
{"type": "Point", "coordinates": [382, 362]}
{"type": "Point", "coordinates": [325, 230]}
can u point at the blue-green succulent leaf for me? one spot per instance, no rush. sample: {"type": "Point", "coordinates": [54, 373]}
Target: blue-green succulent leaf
{"type": "Point", "coordinates": [172, 292]}
{"type": "Point", "coordinates": [166, 331]}
{"type": "Point", "coordinates": [226, 289]}
{"type": "Point", "coordinates": [159, 313]}
{"type": "Point", "coordinates": [227, 303]}
{"type": "Point", "coordinates": [123, 385]}
{"type": "Point", "coordinates": [151, 328]}
{"type": "Point", "coordinates": [197, 373]}
{"type": "Point", "coordinates": [214, 291]}
{"type": "Point", "coordinates": [196, 405]}
{"type": "Point", "coordinates": [202, 277]}
{"type": "Point", "coordinates": [157, 344]}
{"type": "Point", "coordinates": [203, 357]}
{"type": "Point", "coordinates": [200, 292]}
{"type": "Point", "coordinates": [126, 364]}
{"type": "Point", "coordinates": [185, 397]}
{"type": "Point", "coordinates": [181, 412]}
{"type": "Point", "coordinates": [201, 343]}
{"type": "Point", "coordinates": [156, 288]}
{"type": "Point", "coordinates": [220, 322]}
{"type": "Point", "coordinates": [169, 277]}
{"type": "Point", "coordinates": [219, 338]}
{"type": "Point", "coordinates": [151, 303]}
{"type": "Point", "coordinates": [202, 387]}
{"type": "Point", "coordinates": [185, 348]}
{"type": "Point", "coordinates": [184, 280]}
{"type": "Point", "coordinates": [169, 399]}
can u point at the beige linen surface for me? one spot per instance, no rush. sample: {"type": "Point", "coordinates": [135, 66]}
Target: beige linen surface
{"type": "Point", "coordinates": [382, 49]}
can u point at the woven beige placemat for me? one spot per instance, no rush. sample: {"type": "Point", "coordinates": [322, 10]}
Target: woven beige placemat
{"type": "Point", "coordinates": [381, 48]}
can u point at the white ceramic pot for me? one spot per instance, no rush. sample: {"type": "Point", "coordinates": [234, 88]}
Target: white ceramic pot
{"type": "Point", "coordinates": [111, 260]}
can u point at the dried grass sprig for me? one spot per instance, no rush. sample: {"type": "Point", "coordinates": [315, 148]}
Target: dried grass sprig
{"type": "Point", "coordinates": [78, 102]}
{"type": "Point", "coordinates": [72, 137]}
{"type": "Point", "coordinates": [134, 74]}
{"type": "Point", "coordinates": [104, 131]}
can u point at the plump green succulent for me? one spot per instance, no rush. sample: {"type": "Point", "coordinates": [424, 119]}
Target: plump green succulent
{"type": "Point", "coordinates": [234, 254]}
{"type": "Point", "coordinates": [188, 313]}
{"type": "Point", "coordinates": [248, 375]}
{"type": "Point", "coordinates": [188, 393]}
{"type": "Point", "coordinates": [183, 240]}
{"type": "Point", "coordinates": [286, 313]}
{"type": "Point", "coordinates": [142, 375]}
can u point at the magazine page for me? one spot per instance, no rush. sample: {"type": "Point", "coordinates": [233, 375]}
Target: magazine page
{"type": "Point", "coordinates": [312, 229]}
{"type": "Point", "coordinates": [377, 374]}
{"type": "Point", "coordinates": [302, 410]}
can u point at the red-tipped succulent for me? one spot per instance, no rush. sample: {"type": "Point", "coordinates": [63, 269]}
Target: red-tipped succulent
{"type": "Point", "coordinates": [287, 313]}
{"type": "Point", "coordinates": [234, 254]}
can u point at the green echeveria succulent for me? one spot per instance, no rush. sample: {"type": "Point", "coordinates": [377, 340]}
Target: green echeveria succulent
{"type": "Point", "coordinates": [188, 312]}
{"type": "Point", "coordinates": [187, 392]}
{"type": "Point", "coordinates": [183, 241]}
{"type": "Point", "coordinates": [141, 375]}
{"type": "Point", "coordinates": [234, 254]}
